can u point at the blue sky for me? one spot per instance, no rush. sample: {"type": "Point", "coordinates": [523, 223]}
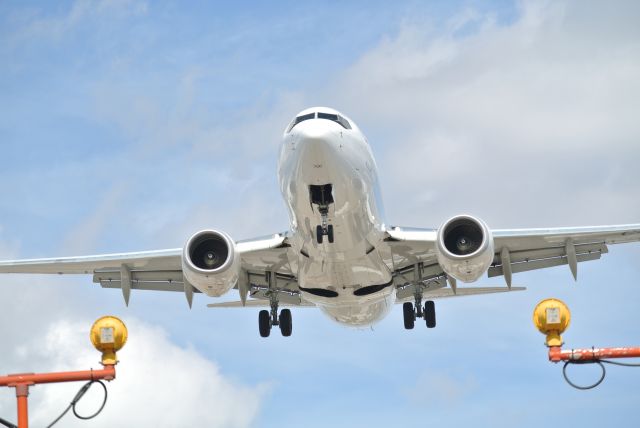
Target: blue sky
{"type": "Point", "coordinates": [129, 125]}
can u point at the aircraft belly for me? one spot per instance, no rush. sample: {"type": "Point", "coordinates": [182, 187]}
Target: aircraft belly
{"type": "Point", "coordinates": [330, 273]}
{"type": "Point", "coordinates": [360, 314]}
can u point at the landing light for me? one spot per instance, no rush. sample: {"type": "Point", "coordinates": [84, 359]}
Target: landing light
{"type": "Point", "coordinates": [552, 317]}
{"type": "Point", "coordinates": [108, 335]}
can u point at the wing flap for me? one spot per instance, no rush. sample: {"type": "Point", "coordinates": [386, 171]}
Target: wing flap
{"type": "Point", "coordinates": [528, 265]}
{"type": "Point", "coordinates": [257, 304]}
{"type": "Point", "coordinates": [442, 293]}
{"type": "Point", "coordinates": [147, 285]}
{"type": "Point", "coordinates": [548, 253]}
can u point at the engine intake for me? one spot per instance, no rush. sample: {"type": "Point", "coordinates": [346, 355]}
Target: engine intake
{"type": "Point", "coordinates": [209, 262]}
{"type": "Point", "coordinates": [208, 252]}
{"type": "Point", "coordinates": [464, 247]}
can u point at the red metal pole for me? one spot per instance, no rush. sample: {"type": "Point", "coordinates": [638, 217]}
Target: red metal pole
{"type": "Point", "coordinates": [557, 354]}
{"type": "Point", "coordinates": [108, 373]}
{"type": "Point", "coordinates": [22, 392]}
{"type": "Point", "coordinates": [22, 381]}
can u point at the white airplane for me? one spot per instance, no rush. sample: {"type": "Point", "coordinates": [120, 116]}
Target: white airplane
{"type": "Point", "coordinates": [339, 255]}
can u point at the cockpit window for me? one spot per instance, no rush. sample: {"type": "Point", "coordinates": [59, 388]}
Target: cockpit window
{"type": "Point", "coordinates": [329, 116]}
{"type": "Point", "coordinates": [336, 118]}
{"type": "Point", "coordinates": [301, 119]}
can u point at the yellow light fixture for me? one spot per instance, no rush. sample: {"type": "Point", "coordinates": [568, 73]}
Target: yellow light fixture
{"type": "Point", "coordinates": [552, 317]}
{"type": "Point", "coordinates": [108, 335]}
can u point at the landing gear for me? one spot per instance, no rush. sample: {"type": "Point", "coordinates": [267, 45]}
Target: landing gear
{"type": "Point", "coordinates": [285, 322]}
{"type": "Point", "coordinates": [430, 313]}
{"type": "Point", "coordinates": [264, 322]}
{"type": "Point", "coordinates": [324, 228]}
{"type": "Point", "coordinates": [410, 314]}
{"type": "Point", "coordinates": [268, 319]}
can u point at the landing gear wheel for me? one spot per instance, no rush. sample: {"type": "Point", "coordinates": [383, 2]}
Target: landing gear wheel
{"type": "Point", "coordinates": [319, 234]}
{"type": "Point", "coordinates": [430, 313]}
{"type": "Point", "coordinates": [285, 322]}
{"type": "Point", "coordinates": [330, 233]}
{"type": "Point", "coordinates": [409, 315]}
{"type": "Point", "coordinates": [264, 322]}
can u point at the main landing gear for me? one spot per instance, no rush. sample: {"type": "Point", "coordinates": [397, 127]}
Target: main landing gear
{"type": "Point", "coordinates": [268, 319]}
{"type": "Point", "coordinates": [428, 313]}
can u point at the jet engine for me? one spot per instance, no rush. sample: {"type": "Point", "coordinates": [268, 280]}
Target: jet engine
{"type": "Point", "coordinates": [464, 247]}
{"type": "Point", "coordinates": [210, 263]}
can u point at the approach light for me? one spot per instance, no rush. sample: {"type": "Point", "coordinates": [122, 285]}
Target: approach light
{"type": "Point", "coordinates": [108, 335]}
{"type": "Point", "coordinates": [552, 317]}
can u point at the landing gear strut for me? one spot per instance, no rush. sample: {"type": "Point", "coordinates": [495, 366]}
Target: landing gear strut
{"type": "Point", "coordinates": [428, 312]}
{"type": "Point", "coordinates": [322, 196]}
{"type": "Point", "coordinates": [268, 319]}
{"type": "Point", "coordinates": [324, 228]}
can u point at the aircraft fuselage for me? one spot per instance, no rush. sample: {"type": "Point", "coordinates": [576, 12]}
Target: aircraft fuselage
{"type": "Point", "coordinates": [327, 168]}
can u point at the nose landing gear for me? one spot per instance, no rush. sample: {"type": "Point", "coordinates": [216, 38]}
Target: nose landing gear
{"type": "Point", "coordinates": [324, 230]}
{"type": "Point", "coordinates": [322, 196]}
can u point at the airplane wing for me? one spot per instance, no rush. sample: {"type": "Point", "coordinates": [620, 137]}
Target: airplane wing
{"type": "Point", "coordinates": [162, 270]}
{"type": "Point", "coordinates": [516, 250]}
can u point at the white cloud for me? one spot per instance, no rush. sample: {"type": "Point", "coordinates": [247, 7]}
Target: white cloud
{"type": "Point", "coordinates": [505, 119]}
{"type": "Point", "coordinates": [159, 384]}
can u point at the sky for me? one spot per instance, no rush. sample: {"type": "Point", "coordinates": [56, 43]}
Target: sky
{"type": "Point", "coordinates": [128, 125]}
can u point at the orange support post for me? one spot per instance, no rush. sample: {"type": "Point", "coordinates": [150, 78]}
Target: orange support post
{"type": "Point", "coordinates": [557, 354]}
{"type": "Point", "coordinates": [22, 381]}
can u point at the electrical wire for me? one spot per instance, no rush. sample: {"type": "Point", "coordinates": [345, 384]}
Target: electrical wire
{"type": "Point", "coordinates": [601, 363]}
{"type": "Point", "coordinates": [7, 423]}
{"type": "Point", "coordinates": [77, 398]}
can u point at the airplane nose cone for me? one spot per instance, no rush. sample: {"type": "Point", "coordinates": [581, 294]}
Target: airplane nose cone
{"type": "Point", "coordinates": [314, 130]}
{"type": "Point", "coordinates": [315, 138]}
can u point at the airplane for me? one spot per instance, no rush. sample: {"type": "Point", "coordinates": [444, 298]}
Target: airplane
{"type": "Point", "coordinates": [339, 255]}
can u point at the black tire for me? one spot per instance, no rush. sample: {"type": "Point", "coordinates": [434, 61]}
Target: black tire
{"type": "Point", "coordinates": [330, 233]}
{"type": "Point", "coordinates": [430, 313]}
{"type": "Point", "coordinates": [409, 315]}
{"type": "Point", "coordinates": [264, 322]}
{"type": "Point", "coordinates": [285, 322]}
{"type": "Point", "coordinates": [319, 234]}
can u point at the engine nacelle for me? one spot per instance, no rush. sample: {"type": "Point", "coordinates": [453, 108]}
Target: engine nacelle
{"type": "Point", "coordinates": [464, 247]}
{"type": "Point", "coordinates": [209, 262]}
